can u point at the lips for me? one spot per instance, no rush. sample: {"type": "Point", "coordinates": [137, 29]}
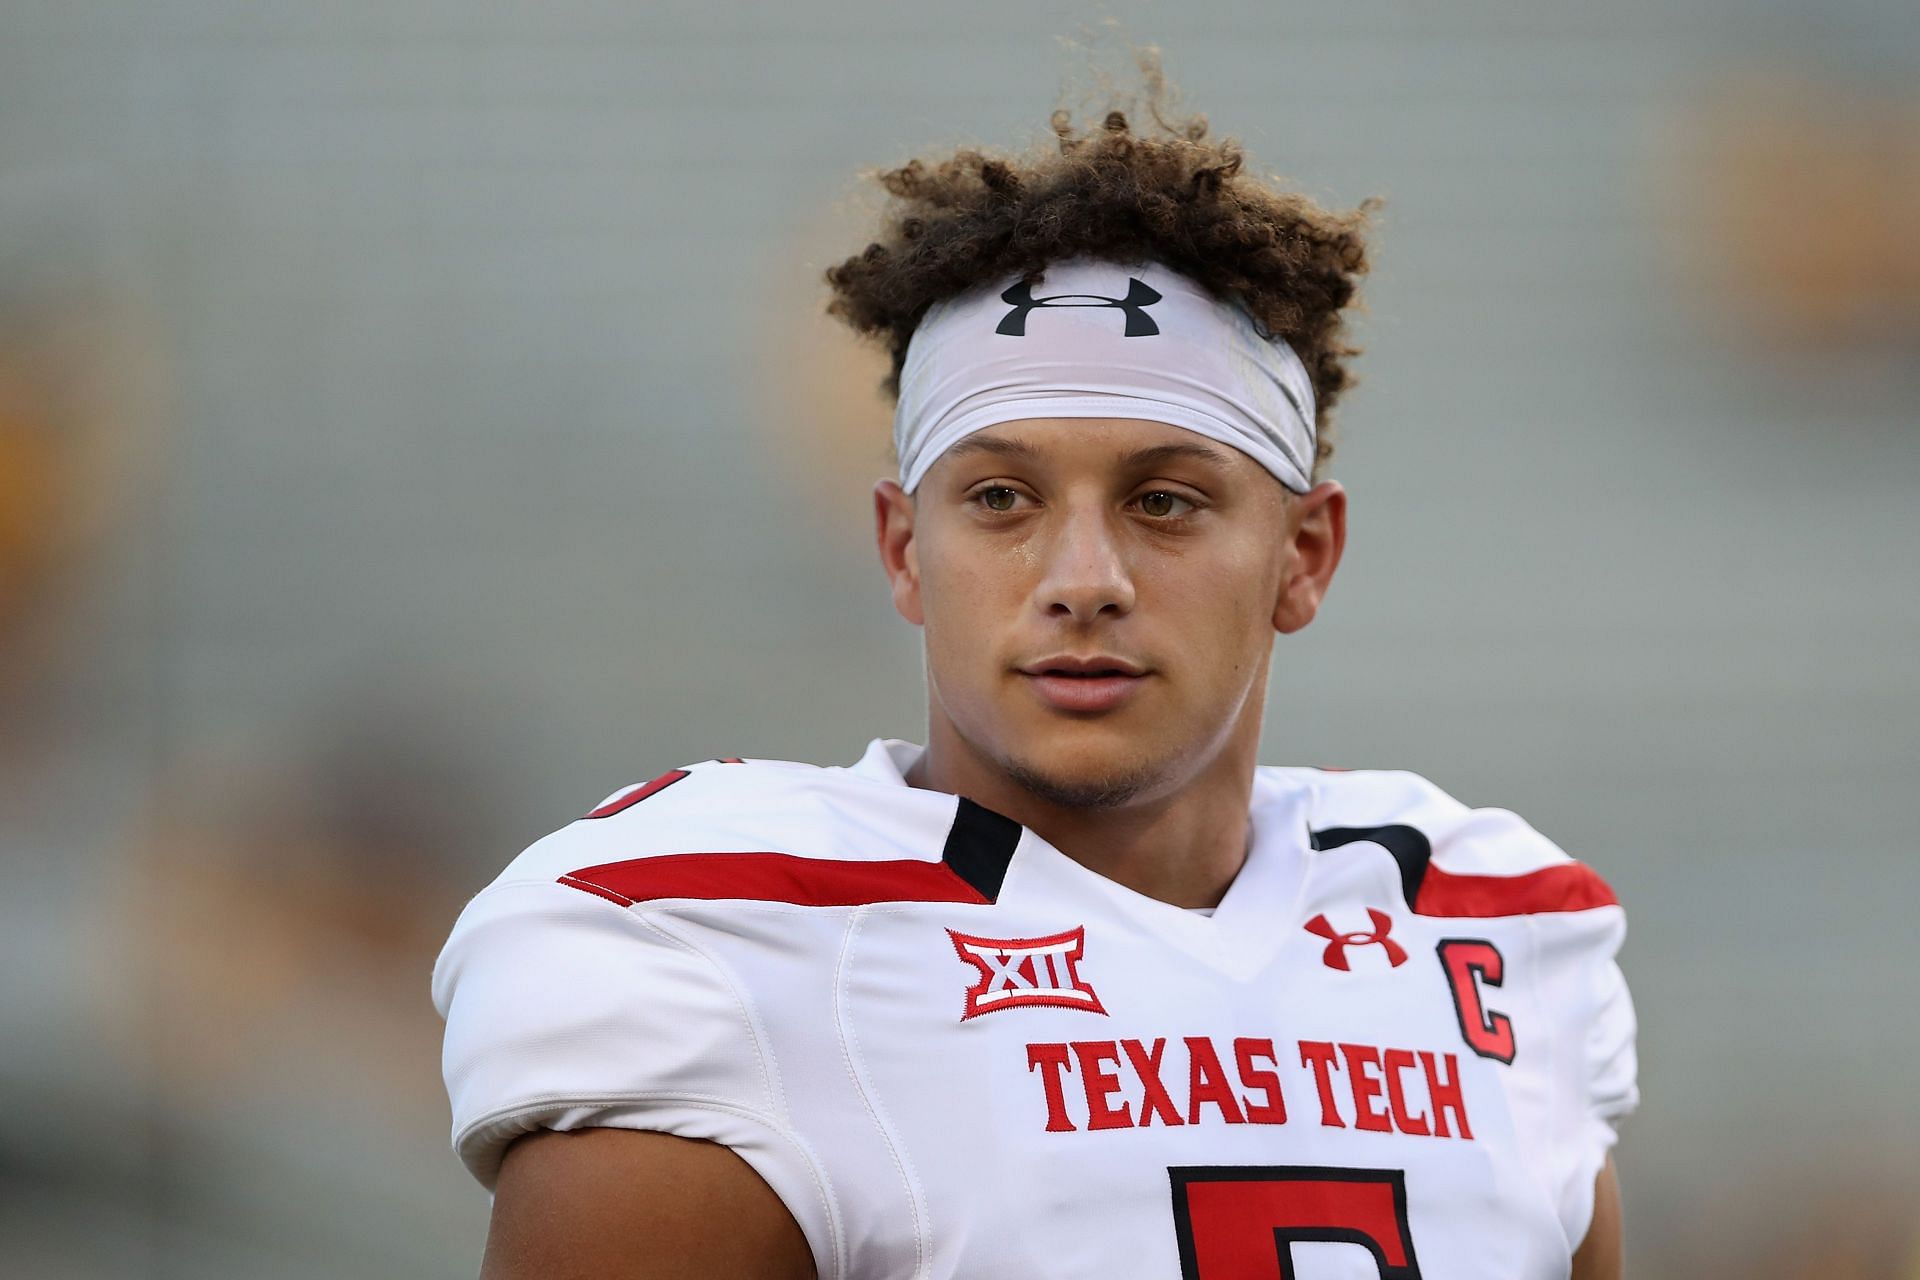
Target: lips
{"type": "Point", "coordinates": [1084, 684]}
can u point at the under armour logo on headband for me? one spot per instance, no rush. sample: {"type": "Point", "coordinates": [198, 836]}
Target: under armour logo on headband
{"type": "Point", "coordinates": [1214, 372]}
{"type": "Point", "coordinates": [1140, 296]}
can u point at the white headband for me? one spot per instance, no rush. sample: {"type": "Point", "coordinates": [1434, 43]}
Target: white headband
{"type": "Point", "coordinates": [1173, 353]}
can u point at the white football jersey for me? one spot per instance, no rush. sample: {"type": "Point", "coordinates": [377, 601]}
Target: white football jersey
{"type": "Point", "coordinates": [1396, 1049]}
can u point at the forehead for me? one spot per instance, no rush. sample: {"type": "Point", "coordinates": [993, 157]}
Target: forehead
{"type": "Point", "coordinates": [1097, 444]}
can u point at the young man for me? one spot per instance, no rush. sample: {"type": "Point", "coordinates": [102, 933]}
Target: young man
{"type": "Point", "coordinates": [1076, 989]}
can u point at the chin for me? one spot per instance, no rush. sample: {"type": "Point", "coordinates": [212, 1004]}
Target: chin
{"type": "Point", "coordinates": [1083, 768]}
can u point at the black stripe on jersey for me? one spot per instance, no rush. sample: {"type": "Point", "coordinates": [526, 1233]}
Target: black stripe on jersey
{"type": "Point", "coordinates": [1409, 847]}
{"type": "Point", "coordinates": [980, 846]}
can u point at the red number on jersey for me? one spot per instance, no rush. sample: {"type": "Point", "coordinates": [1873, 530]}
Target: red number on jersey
{"type": "Point", "coordinates": [1240, 1222]}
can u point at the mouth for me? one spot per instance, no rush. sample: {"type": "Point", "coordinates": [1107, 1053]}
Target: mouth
{"type": "Point", "coordinates": [1084, 685]}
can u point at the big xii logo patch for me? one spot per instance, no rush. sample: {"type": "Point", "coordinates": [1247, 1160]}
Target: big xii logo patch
{"type": "Point", "coordinates": [1140, 296]}
{"type": "Point", "coordinates": [1026, 971]}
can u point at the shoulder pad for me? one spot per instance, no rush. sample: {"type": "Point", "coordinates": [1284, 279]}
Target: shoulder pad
{"type": "Point", "coordinates": [1454, 860]}
{"type": "Point", "coordinates": [774, 831]}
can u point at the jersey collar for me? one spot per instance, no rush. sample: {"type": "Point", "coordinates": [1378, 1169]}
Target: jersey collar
{"type": "Point", "coordinates": [887, 760]}
{"type": "Point", "coordinates": [1240, 935]}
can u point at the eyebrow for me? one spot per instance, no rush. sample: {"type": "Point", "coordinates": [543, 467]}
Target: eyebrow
{"type": "Point", "coordinates": [1152, 455]}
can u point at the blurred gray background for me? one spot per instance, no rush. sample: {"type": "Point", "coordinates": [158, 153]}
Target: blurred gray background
{"type": "Point", "coordinates": [416, 422]}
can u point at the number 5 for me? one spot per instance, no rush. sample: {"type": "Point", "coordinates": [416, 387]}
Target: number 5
{"type": "Point", "coordinates": [1240, 1222]}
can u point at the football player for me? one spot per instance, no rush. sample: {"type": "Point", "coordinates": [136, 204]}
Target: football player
{"type": "Point", "coordinates": [1076, 988]}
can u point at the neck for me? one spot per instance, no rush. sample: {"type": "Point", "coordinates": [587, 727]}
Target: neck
{"type": "Point", "coordinates": [1169, 844]}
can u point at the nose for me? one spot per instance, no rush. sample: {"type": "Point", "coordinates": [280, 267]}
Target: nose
{"type": "Point", "coordinates": [1085, 574]}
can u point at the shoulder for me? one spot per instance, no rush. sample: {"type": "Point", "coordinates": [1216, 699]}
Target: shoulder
{"type": "Point", "coordinates": [1455, 859]}
{"type": "Point", "coordinates": [716, 830]}
{"type": "Point", "coordinates": [1520, 917]}
{"type": "Point", "coordinates": [579, 992]}
{"type": "Point", "coordinates": [734, 824]}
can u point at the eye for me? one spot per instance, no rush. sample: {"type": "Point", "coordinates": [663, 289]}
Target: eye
{"type": "Point", "coordinates": [1160, 504]}
{"type": "Point", "coordinates": [998, 497]}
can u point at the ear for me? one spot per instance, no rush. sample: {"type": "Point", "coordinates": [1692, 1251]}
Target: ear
{"type": "Point", "coordinates": [1317, 534]}
{"type": "Point", "coordinates": [899, 555]}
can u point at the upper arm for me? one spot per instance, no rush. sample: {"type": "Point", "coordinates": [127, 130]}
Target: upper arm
{"type": "Point", "coordinates": [615, 1204]}
{"type": "Point", "coordinates": [1599, 1256]}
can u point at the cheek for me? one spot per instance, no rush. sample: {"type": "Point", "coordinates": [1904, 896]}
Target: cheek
{"type": "Point", "coordinates": [969, 596]}
{"type": "Point", "coordinates": [961, 578]}
{"type": "Point", "coordinates": [1225, 607]}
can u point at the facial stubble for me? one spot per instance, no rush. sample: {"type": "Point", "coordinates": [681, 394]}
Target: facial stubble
{"type": "Point", "coordinates": [1093, 794]}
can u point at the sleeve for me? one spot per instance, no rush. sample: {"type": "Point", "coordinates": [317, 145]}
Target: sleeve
{"type": "Point", "coordinates": [1601, 1083]}
{"type": "Point", "coordinates": [1613, 1089]}
{"type": "Point", "coordinates": [565, 1011]}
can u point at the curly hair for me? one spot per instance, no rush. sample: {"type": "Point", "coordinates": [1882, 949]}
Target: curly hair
{"type": "Point", "coordinates": [1170, 194]}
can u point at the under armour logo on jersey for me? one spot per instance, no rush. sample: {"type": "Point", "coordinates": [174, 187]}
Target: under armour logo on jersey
{"type": "Point", "coordinates": [1026, 971]}
{"type": "Point", "coordinates": [1140, 296]}
{"type": "Point", "coordinates": [1335, 955]}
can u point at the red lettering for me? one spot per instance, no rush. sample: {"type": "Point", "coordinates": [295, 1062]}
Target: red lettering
{"type": "Point", "coordinates": [1445, 1096]}
{"type": "Point", "coordinates": [1274, 1109]}
{"type": "Point", "coordinates": [1486, 1032]}
{"type": "Point", "coordinates": [1376, 1078]}
{"type": "Point", "coordinates": [1052, 1061]}
{"type": "Point", "coordinates": [1101, 1084]}
{"type": "Point", "coordinates": [1366, 1087]}
{"type": "Point", "coordinates": [1398, 1060]}
{"type": "Point", "coordinates": [1146, 1064]}
{"type": "Point", "coordinates": [1207, 1082]}
{"type": "Point", "coordinates": [1318, 1054]}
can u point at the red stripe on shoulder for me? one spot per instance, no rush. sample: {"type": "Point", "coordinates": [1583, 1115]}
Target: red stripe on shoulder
{"type": "Point", "coordinates": [1570, 886]}
{"type": "Point", "coordinates": [621, 803]}
{"type": "Point", "coordinates": [773, 877]}
{"type": "Point", "coordinates": [598, 891]}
